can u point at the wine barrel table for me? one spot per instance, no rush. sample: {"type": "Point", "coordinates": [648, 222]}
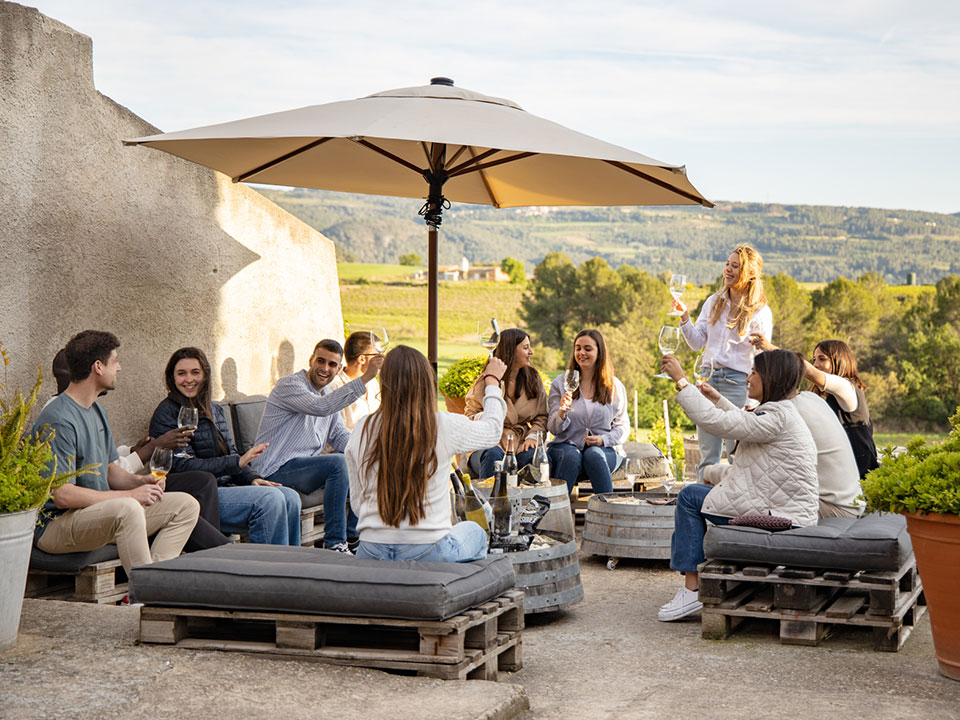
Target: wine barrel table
{"type": "Point", "coordinates": [549, 576]}
{"type": "Point", "coordinates": [628, 525]}
{"type": "Point", "coordinates": [560, 517]}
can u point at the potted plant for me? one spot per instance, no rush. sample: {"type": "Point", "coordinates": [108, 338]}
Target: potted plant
{"type": "Point", "coordinates": [456, 382]}
{"type": "Point", "coordinates": [924, 485]}
{"type": "Point", "coordinates": [25, 484]}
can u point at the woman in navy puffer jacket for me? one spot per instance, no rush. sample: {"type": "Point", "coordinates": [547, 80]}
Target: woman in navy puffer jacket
{"type": "Point", "coordinates": [269, 512]}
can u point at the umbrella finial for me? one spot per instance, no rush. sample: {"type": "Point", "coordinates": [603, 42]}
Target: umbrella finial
{"type": "Point", "coordinates": [441, 81]}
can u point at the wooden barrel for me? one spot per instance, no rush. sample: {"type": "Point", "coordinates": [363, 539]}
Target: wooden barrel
{"type": "Point", "coordinates": [560, 517]}
{"type": "Point", "coordinates": [628, 530]}
{"type": "Point", "coordinates": [550, 576]}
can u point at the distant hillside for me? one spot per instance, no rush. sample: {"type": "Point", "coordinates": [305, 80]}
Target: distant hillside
{"type": "Point", "coordinates": [810, 243]}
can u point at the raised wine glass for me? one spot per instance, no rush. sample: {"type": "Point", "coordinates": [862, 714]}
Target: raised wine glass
{"type": "Point", "coordinates": [379, 343]}
{"type": "Point", "coordinates": [188, 417]}
{"type": "Point", "coordinates": [571, 381]}
{"type": "Point", "coordinates": [669, 341]}
{"type": "Point", "coordinates": [703, 368]}
{"type": "Point", "coordinates": [678, 283]}
{"type": "Point", "coordinates": [160, 463]}
{"type": "Point", "coordinates": [488, 341]}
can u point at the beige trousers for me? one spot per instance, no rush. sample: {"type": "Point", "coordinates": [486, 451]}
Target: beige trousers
{"type": "Point", "coordinates": [829, 510]}
{"type": "Point", "coordinates": [127, 523]}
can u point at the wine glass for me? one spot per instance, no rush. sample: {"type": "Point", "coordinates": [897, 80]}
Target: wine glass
{"type": "Point", "coordinates": [571, 381]}
{"type": "Point", "coordinates": [631, 467]}
{"type": "Point", "coordinates": [678, 283]}
{"type": "Point", "coordinates": [488, 342]}
{"type": "Point", "coordinates": [188, 417]}
{"type": "Point", "coordinates": [703, 368]}
{"type": "Point", "coordinates": [160, 463]}
{"type": "Point", "coordinates": [669, 341]}
{"type": "Point", "coordinates": [379, 344]}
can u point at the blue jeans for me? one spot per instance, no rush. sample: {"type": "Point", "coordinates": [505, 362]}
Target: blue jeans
{"type": "Point", "coordinates": [270, 515]}
{"type": "Point", "coordinates": [689, 528]}
{"type": "Point", "coordinates": [597, 463]}
{"type": "Point", "coordinates": [466, 541]}
{"type": "Point", "coordinates": [732, 384]}
{"type": "Point", "coordinates": [481, 462]}
{"type": "Point", "coordinates": [329, 472]}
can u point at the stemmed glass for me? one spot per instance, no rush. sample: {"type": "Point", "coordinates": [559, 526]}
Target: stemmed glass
{"type": "Point", "coordinates": [187, 418]}
{"type": "Point", "coordinates": [160, 463]}
{"type": "Point", "coordinates": [678, 283]}
{"type": "Point", "coordinates": [379, 344]}
{"type": "Point", "coordinates": [571, 381]}
{"type": "Point", "coordinates": [488, 342]}
{"type": "Point", "coordinates": [703, 368]}
{"type": "Point", "coordinates": [669, 341]}
{"type": "Point", "coordinates": [631, 467]}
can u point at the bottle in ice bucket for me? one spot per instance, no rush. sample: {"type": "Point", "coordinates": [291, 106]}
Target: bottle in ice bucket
{"type": "Point", "coordinates": [510, 466]}
{"type": "Point", "coordinates": [476, 507]}
{"type": "Point", "coordinates": [459, 498]}
{"type": "Point", "coordinates": [500, 502]}
{"type": "Point", "coordinates": [540, 461]}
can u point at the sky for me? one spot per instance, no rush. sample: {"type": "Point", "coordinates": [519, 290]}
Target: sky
{"type": "Point", "coordinates": [849, 102]}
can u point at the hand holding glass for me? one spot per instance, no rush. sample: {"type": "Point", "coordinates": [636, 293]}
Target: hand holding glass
{"type": "Point", "coordinates": [669, 341]}
{"type": "Point", "coordinates": [160, 463]}
{"type": "Point", "coordinates": [187, 418]}
{"type": "Point", "coordinates": [678, 283]}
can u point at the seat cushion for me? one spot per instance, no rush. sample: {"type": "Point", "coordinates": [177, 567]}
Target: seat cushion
{"type": "Point", "coordinates": [245, 416]}
{"type": "Point", "coordinates": [307, 580]}
{"type": "Point", "coordinates": [70, 562]}
{"type": "Point", "coordinates": [874, 542]}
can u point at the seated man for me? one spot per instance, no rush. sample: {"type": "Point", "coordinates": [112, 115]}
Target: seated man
{"type": "Point", "coordinates": [301, 417]}
{"type": "Point", "coordinates": [107, 504]}
{"type": "Point", "coordinates": [357, 353]}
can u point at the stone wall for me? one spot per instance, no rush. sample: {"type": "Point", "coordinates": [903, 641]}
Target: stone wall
{"type": "Point", "coordinates": [162, 252]}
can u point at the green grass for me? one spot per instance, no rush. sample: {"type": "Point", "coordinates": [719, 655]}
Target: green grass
{"type": "Point", "coordinates": [881, 440]}
{"type": "Point", "coordinates": [371, 272]}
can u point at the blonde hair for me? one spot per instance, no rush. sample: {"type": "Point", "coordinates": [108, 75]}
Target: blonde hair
{"type": "Point", "coordinates": [750, 286]}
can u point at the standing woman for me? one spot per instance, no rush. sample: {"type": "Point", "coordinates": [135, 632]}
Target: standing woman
{"type": "Point", "coordinates": [723, 329]}
{"type": "Point", "coordinates": [526, 401]}
{"type": "Point", "coordinates": [398, 459]}
{"type": "Point", "coordinates": [248, 503]}
{"type": "Point", "coordinates": [590, 424]}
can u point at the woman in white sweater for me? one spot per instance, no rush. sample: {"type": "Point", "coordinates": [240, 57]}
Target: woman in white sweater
{"type": "Point", "coordinates": [399, 458]}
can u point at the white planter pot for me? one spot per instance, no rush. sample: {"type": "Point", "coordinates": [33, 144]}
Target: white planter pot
{"type": "Point", "coordinates": [16, 539]}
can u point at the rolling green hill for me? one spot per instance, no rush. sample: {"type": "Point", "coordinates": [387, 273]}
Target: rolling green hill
{"type": "Point", "coordinates": [810, 243]}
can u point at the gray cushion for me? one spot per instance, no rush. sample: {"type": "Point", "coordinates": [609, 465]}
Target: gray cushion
{"type": "Point", "coordinates": [312, 500]}
{"type": "Point", "coordinates": [70, 562]}
{"type": "Point", "coordinates": [246, 415]}
{"type": "Point", "coordinates": [874, 542]}
{"type": "Point", "coordinates": [297, 579]}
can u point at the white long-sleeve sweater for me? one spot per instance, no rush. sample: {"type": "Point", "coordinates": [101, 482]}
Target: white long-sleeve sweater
{"type": "Point", "coordinates": [455, 434]}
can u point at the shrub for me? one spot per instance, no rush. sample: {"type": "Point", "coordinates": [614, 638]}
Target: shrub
{"type": "Point", "coordinates": [456, 381]}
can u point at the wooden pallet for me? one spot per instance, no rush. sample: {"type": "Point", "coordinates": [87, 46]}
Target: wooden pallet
{"type": "Point", "coordinates": [473, 645]}
{"type": "Point", "coordinates": [806, 601]}
{"type": "Point", "coordinates": [102, 582]}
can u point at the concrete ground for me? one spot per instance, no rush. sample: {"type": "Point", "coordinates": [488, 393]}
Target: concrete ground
{"type": "Point", "coordinates": [607, 657]}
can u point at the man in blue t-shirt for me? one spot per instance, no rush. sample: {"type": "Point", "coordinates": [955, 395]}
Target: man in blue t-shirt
{"type": "Point", "coordinates": [106, 504]}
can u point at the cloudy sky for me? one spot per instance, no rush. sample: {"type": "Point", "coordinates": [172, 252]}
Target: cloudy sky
{"type": "Point", "coordinates": [848, 102]}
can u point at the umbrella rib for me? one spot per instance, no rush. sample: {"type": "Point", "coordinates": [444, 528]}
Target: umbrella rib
{"type": "Point", "coordinates": [457, 154]}
{"type": "Point", "coordinates": [657, 181]}
{"type": "Point", "coordinates": [281, 159]}
{"type": "Point", "coordinates": [472, 161]}
{"type": "Point", "coordinates": [390, 155]}
{"type": "Point", "coordinates": [493, 163]}
{"type": "Point", "coordinates": [486, 186]}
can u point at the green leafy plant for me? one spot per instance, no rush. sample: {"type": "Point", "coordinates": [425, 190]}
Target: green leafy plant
{"type": "Point", "coordinates": [658, 437]}
{"type": "Point", "coordinates": [25, 459]}
{"type": "Point", "coordinates": [459, 377]}
{"type": "Point", "coordinates": [924, 479]}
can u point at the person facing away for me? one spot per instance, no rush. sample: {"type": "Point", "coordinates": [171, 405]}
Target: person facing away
{"type": "Point", "coordinates": [357, 352]}
{"type": "Point", "coordinates": [107, 504]}
{"type": "Point", "coordinates": [526, 401]}
{"type": "Point", "coordinates": [301, 418]}
{"type": "Point", "coordinates": [722, 331]}
{"type": "Point", "coordinates": [774, 471]}
{"type": "Point", "coordinates": [268, 512]}
{"type": "Point", "coordinates": [399, 463]}
{"type": "Point", "coordinates": [590, 424]}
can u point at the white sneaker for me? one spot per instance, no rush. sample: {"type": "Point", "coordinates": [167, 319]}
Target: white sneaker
{"type": "Point", "coordinates": [684, 603]}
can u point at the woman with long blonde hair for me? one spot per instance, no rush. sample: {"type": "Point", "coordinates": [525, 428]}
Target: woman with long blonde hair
{"type": "Point", "coordinates": [398, 459]}
{"type": "Point", "coordinates": [723, 330]}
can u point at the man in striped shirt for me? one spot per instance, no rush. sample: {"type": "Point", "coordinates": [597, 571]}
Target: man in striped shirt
{"type": "Point", "coordinates": [301, 418]}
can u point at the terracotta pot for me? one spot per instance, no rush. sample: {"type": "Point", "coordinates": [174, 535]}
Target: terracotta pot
{"type": "Point", "coordinates": [455, 405]}
{"type": "Point", "coordinates": [936, 543]}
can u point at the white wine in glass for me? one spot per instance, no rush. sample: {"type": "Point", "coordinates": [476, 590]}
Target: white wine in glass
{"type": "Point", "coordinates": [488, 341]}
{"type": "Point", "coordinates": [160, 463]}
{"type": "Point", "coordinates": [703, 368]}
{"type": "Point", "coordinates": [669, 341]}
{"type": "Point", "coordinates": [188, 417]}
{"type": "Point", "coordinates": [678, 284]}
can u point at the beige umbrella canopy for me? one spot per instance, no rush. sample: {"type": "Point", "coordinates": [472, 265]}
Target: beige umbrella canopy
{"type": "Point", "coordinates": [437, 142]}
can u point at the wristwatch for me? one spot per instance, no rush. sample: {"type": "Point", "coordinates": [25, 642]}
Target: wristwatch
{"type": "Point", "coordinates": [682, 383]}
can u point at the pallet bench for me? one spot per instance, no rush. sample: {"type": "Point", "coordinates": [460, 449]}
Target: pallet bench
{"type": "Point", "coordinates": [475, 644]}
{"type": "Point", "coordinates": [806, 601]}
{"type": "Point", "coordinates": [98, 582]}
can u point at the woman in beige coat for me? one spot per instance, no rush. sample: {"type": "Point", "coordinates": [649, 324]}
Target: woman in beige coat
{"type": "Point", "coordinates": [526, 404]}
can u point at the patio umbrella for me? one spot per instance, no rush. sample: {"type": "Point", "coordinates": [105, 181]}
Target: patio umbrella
{"type": "Point", "coordinates": [436, 142]}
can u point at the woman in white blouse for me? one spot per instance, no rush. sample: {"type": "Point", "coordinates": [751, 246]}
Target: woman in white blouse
{"type": "Point", "coordinates": [722, 331]}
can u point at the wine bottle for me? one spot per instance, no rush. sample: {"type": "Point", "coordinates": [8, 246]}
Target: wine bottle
{"type": "Point", "coordinates": [500, 500]}
{"type": "Point", "coordinates": [540, 460]}
{"type": "Point", "coordinates": [476, 507]}
{"type": "Point", "coordinates": [510, 467]}
{"type": "Point", "coordinates": [459, 498]}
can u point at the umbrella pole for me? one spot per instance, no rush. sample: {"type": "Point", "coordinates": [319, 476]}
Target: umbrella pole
{"type": "Point", "coordinates": [432, 273]}
{"type": "Point", "coordinates": [432, 212]}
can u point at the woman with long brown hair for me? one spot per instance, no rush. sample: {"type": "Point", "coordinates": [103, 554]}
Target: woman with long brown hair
{"type": "Point", "coordinates": [722, 331]}
{"type": "Point", "coordinates": [526, 400]}
{"type": "Point", "coordinates": [591, 423]}
{"type": "Point", "coordinates": [269, 512]}
{"type": "Point", "coordinates": [398, 459]}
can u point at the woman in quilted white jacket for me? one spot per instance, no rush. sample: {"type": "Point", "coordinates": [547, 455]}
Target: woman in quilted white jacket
{"type": "Point", "coordinates": [774, 472]}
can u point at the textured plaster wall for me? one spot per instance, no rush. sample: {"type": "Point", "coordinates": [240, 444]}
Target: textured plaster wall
{"type": "Point", "coordinates": [161, 252]}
